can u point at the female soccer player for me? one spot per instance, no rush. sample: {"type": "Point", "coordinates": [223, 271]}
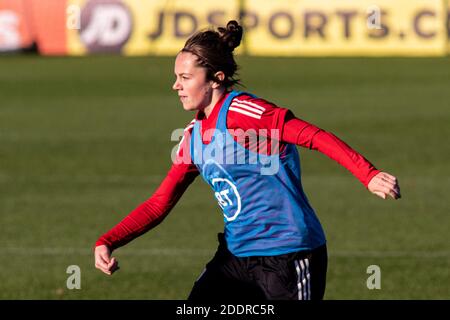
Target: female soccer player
{"type": "Point", "coordinates": [273, 246]}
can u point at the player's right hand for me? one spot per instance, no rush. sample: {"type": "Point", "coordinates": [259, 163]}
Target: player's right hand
{"type": "Point", "coordinates": [103, 260]}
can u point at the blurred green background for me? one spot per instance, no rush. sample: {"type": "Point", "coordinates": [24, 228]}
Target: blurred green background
{"type": "Point", "coordinates": [83, 141]}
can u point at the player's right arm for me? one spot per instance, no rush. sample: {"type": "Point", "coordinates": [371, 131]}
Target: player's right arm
{"type": "Point", "coordinates": [150, 213]}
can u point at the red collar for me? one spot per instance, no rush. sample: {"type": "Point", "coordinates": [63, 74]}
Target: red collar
{"type": "Point", "coordinates": [200, 116]}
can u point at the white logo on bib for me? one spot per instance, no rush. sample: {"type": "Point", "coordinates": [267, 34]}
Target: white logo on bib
{"type": "Point", "coordinates": [225, 196]}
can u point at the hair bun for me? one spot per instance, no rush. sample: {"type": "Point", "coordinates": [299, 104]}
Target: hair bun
{"type": "Point", "coordinates": [231, 35]}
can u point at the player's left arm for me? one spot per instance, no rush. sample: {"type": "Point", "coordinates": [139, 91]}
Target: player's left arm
{"type": "Point", "coordinates": [254, 113]}
{"type": "Point", "coordinates": [310, 136]}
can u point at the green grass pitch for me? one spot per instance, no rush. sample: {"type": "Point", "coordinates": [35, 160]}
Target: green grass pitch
{"type": "Point", "coordinates": [83, 141]}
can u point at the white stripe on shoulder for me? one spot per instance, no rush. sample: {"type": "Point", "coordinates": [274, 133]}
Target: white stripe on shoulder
{"type": "Point", "coordinates": [257, 106]}
{"type": "Point", "coordinates": [246, 107]}
{"type": "Point", "coordinates": [190, 125]}
{"type": "Point", "coordinates": [245, 112]}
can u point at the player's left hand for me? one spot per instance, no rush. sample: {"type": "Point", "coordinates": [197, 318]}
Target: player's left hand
{"type": "Point", "coordinates": [383, 185]}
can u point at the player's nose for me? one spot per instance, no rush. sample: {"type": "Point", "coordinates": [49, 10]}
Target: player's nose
{"type": "Point", "coordinates": [176, 85]}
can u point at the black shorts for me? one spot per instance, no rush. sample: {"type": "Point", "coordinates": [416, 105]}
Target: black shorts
{"type": "Point", "coordinates": [293, 276]}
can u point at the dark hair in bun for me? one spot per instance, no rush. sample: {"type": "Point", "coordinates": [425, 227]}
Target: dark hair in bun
{"type": "Point", "coordinates": [231, 35]}
{"type": "Point", "coordinates": [214, 51]}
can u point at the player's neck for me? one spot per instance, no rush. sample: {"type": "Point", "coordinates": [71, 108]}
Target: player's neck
{"type": "Point", "coordinates": [216, 95]}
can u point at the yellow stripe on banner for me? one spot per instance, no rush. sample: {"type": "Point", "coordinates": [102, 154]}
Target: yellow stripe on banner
{"type": "Point", "coordinates": [447, 25]}
{"type": "Point", "coordinates": [348, 27]}
{"type": "Point", "coordinates": [272, 27]}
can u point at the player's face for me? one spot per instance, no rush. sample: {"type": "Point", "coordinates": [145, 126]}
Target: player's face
{"type": "Point", "coordinates": [194, 90]}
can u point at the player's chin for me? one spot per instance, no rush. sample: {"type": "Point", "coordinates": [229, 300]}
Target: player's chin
{"type": "Point", "coordinates": [188, 107]}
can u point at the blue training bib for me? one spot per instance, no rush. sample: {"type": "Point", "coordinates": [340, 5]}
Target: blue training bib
{"type": "Point", "coordinates": [264, 207]}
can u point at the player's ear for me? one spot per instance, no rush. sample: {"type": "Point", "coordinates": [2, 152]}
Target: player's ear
{"type": "Point", "coordinates": [219, 76]}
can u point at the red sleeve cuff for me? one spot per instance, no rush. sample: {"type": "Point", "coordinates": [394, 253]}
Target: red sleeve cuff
{"type": "Point", "coordinates": [371, 174]}
{"type": "Point", "coordinates": [101, 242]}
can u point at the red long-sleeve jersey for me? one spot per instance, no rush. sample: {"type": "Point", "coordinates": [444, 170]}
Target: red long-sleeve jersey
{"type": "Point", "coordinates": [245, 113]}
